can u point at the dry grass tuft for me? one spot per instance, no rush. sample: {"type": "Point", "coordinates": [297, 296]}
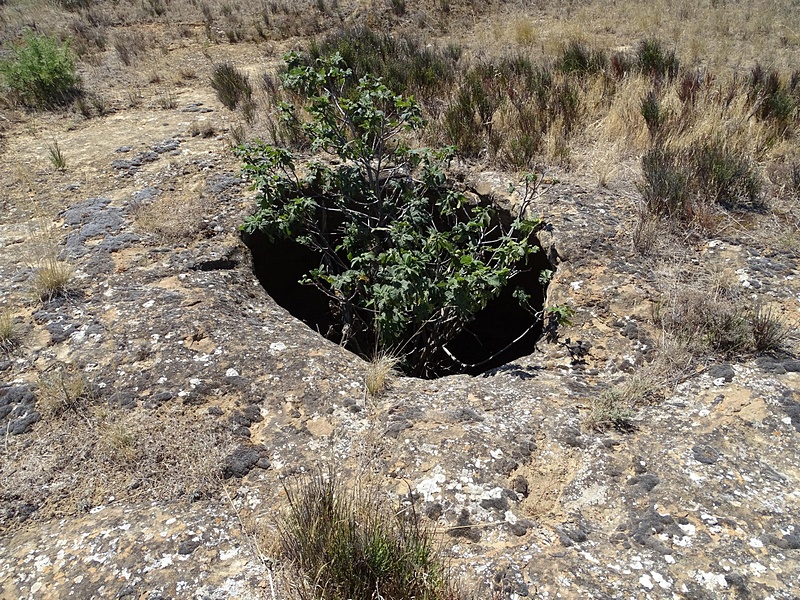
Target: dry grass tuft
{"type": "Point", "coordinates": [380, 372]}
{"type": "Point", "coordinates": [172, 218]}
{"type": "Point", "coordinates": [64, 388]}
{"type": "Point", "coordinates": [346, 543]}
{"type": "Point", "coordinates": [9, 336]}
{"type": "Point", "coordinates": [52, 278]}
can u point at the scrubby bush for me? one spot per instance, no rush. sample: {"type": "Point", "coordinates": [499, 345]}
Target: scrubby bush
{"type": "Point", "coordinates": [508, 107]}
{"type": "Point", "coordinates": [773, 99]}
{"type": "Point", "coordinates": [405, 64]}
{"type": "Point", "coordinates": [579, 59]}
{"type": "Point", "coordinates": [232, 86]}
{"type": "Point", "coordinates": [41, 72]}
{"type": "Point", "coordinates": [405, 261]}
{"type": "Point", "coordinates": [657, 62]}
{"type": "Point", "coordinates": [679, 183]}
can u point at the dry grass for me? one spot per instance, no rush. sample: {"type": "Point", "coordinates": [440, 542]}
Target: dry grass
{"type": "Point", "coordinates": [706, 312]}
{"type": "Point", "coordinates": [611, 409]}
{"type": "Point", "coordinates": [171, 218]}
{"type": "Point", "coordinates": [101, 453]}
{"type": "Point", "coordinates": [346, 543]}
{"type": "Point", "coordinates": [52, 278]}
{"type": "Point", "coordinates": [9, 336]}
{"type": "Point", "coordinates": [64, 388]}
{"type": "Point", "coordinates": [379, 373]}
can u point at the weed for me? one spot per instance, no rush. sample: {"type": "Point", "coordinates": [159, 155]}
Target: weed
{"type": "Point", "coordinates": [167, 100]}
{"type": "Point", "coordinates": [656, 62]}
{"type": "Point", "coordinates": [57, 157]}
{"type": "Point", "coordinates": [399, 7]}
{"type": "Point", "coordinates": [41, 72]}
{"type": "Point", "coordinates": [666, 189]}
{"type": "Point", "coordinates": [580, 60]}
{"type": "Point", "coordinates": [611, 409]}
{"type": "Point", "coordinates": [120, 440]}
{"type": "Point", "coordinates": [728, 330]}
{"type": "Point", "coordinates": [171, 218]}
{"type": "Point", "coordinates": [129, 46]}
{"type": "Point", "coordinates": [654, 115]}
{"type": "Point", "coordinates": [620, 65]}
{"type": "Point", "coordinates": [52, 278]}
{"type": "Point", "coordinates": [238, 134]}
{"type": "Point", "coordinates": [684, 183]}
{"type": "Point", "coordinates": [405, 64]}
{"type": "Point", "coordinates": [379, 373]}
{"type": "Point", "coordinates": [645, 232]}
{"type": "Point", "coordinates": [794, 179]}
{"type": "Point", "coordinates": [232, 86]}
{"type": "Point", "coordinates": [64, 388]}
{"type": "Point", "coordinates": [88, 36]}
{"type": "Point", "coordinates": [346, 544]}
{"type": "Point", "coordinates": [204, 129]}
{"type": "Point", "coordinates": [725, 176]}
{"type": "Point", "coordinates": [772, 99]}
{"type": "Point", "coordinates": [770, 332]}
{"type": "Point", "coordinates": [9, 336]}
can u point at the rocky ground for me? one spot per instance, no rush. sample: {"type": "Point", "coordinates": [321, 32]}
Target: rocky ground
{"type": "Point", "coordinates": [152, 413]}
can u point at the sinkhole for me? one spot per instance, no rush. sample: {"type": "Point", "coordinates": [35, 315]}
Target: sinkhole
{"type": "Point", "coordinates": [500, 333]}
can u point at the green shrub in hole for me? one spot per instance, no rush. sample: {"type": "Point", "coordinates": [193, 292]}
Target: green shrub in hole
{"type": "Point", "coordinates": [405, 260]}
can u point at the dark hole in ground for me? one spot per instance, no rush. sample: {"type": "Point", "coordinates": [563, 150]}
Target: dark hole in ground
{"type": "Point", "coordinates": [500, 333]}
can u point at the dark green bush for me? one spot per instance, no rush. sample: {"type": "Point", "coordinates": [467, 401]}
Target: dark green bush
{"type": "Point", "coordinates": [41, 72]}
{"type": "Point", "coordinates": [405, 64]}
{"type": "Point", "coordinates": [655, 61]}
{"type": "Point", "coordinates": [232, 86]}
{"type": "Point", "coordinates": [577, 58]}
{"type": "Point", "coordinates": [345, 544]}
{"type": "Point", "coordinates": [405, 261]}
{"type": "Point", "coordinates": [654, 115]}
{"type": "Point", "coordinates": [774, 100]}
{"type": "Point", "coordinates": [677, 183]}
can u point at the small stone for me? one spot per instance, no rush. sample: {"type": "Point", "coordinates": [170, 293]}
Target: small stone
{"type": "Point", "coordinates": [239, 462]}
{"type": "Point", "coordinates": [705, 454]}
{"type": "Point", "coordinates": [188, 546]}
{"type": "Point", "coordinates": [520, 528]}
{"type": "Point", "coordinates": [645, 482]}
{"type": "Point", "coordinates": [724, 372]}
{"type": "Point", "coordinates": [520, 486]}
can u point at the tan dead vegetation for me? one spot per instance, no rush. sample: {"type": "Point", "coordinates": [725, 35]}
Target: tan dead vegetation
{"type": "Point", "coordinates": [97, 452]}
{"type": "Point", "coordinates": [171, 218]}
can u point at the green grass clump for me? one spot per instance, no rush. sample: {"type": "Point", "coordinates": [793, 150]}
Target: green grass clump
{"type": "Point", "coordinates": [41, 72]}
{"type": "Point", "coordinates": [656, 61]}
{"type": "Point", "coordinates": [347, 545]}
